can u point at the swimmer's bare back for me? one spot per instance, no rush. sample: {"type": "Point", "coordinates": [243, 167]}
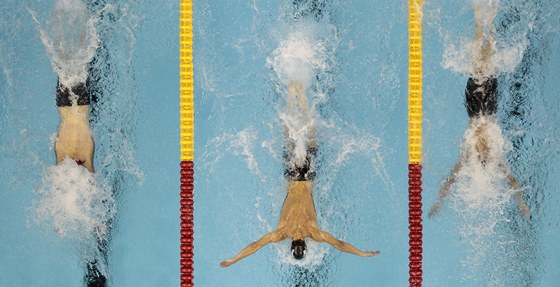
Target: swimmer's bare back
{"type": "Point", "coordinates": [298, 221]}
{"type": "Point", "coordinates": [298, 218]}
{"type": "Point", "coordinates": [74, 135]}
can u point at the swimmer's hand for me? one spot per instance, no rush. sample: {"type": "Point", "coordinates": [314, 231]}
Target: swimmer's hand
{"type": "Point", "coordinates": [323, 236]}
{"type": "Point", "coordinates": [369, 253]}
{"type": "Point", "coordinates": [227, 263]}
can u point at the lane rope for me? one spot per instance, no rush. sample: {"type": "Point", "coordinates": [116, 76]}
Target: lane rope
{"type": "Point", "coordinates": [186, 93]}
{"type": "Point", "coordinates": [415, 141]}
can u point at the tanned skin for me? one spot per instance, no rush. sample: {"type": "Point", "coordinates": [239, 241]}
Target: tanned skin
{"type": "Point", "coordinates": [481, 57]}
{"type": "Point", "coordinates": [74, 136]}
{"type": "Point", "coordinates": [298, 219]}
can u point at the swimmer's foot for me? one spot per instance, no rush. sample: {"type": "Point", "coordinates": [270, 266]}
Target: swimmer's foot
{"type": "Point", "coordinates": [524, 209]}
{"type": "Point", "coordinates": [297, 96]}
{"type": "Point", "coordinates": [93, 277]}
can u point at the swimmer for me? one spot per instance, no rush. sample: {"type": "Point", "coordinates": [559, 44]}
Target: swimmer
{"type": "Point", "coordinates": [481, 103]}
{"type": "Point", "coordinates": [74, 135]}
{"type": "Point", "coordinates": [75, 142]}
{"type": "Point", "coordinates": [298, 216]}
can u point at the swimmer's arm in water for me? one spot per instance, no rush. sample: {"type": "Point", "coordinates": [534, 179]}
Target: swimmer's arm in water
{"type": "Point", "coordinates": [323, 236]}
{"type": "Point", "coordinates": [518, 196]}
{"type": "Point", "coordinates": [444, 191]}
{"type": "Point", "coordinates": [274, 236]}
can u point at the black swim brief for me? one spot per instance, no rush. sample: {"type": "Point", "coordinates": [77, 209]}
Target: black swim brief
{"type": "Point", "coordinates": [481, 97]}
{"type": "Point", "coordinates": [294, 172]}
{"type": "Point", "coordinates": [63, 96]}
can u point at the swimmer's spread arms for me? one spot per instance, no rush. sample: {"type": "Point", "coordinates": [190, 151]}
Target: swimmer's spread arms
{"type": "Point", "coordinates": [481, 102]}
{"type": "Point", "coordinates": [298, 216]}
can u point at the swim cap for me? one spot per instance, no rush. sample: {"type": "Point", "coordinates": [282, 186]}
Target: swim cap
{"type": "Point", "coordinates": [298, 249]}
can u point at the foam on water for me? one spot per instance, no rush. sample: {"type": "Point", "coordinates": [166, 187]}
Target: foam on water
{"type": "Point", "coordinates": [240, 144]}
{"type": "Point", "coordinates": [76, 205]}
{"type": "Point", "coordinates": [483, 196]}
{"type": "Point", "coordinates": [506, 53]}
{"type": "Point", "coordinates": [300, 55]}
{"type": "Point", "coordinates": [305, 55]}
{"type": "Point", "coordinates": [479, 186]}
{"type": "Point", "coordinates": [70, 39]}
{"type": "Point", "coordinates": [315, 255]}
{"type": "Point", "coordinates": [458, 58]}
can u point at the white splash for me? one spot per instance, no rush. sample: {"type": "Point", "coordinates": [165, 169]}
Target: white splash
{"type": "Point", "coordinates": [304, 55]}
{"type": "Point", "coordinates": [300, 55]}
{"type": "Point", "coordinates": [482, 186]}
{"type": "Point", "coordinates": [299, 130]}
{"type": "Point", "coordinates": [504, 60]}
{"type": "Point", "coordinates": [314, 256]}
{"type": "Point", "coordinates": [70, 40]}
{"type": "Point", "coordinates": [240, 144]}
{"type": "Point", "coordinates": [505, 53]}
{"type": "Point", "coordinates": [482, 196]}
{"type": "Point", "coordinates": [74, 203]}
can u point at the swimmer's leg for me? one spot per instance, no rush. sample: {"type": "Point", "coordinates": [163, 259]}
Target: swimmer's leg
{"type": "Point", "coordinates": [523, 208]}
{"type": "Point", "coordinates": [444, 191]}
{"type": "Point", "coordinates": [94, 277]}
{"type": "Point", "coordinates": [482, 54]}
{"type": "Point", "coordinates": [296, 92]}
{"type": "Point", "coordinates": [297, 99]}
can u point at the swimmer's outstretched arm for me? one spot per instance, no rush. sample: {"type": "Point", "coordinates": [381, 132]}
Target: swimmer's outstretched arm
{"type": "Point", "coordinates": [444, 191]}
{"type": "Point", "coordinates": [323, 236]}
{"type": "Point", "coordinates": [274, 236]}
{"type": "Point", "coordinates": [518, 196]}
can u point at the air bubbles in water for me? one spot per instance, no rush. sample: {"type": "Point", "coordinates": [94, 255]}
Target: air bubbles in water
{"type": "Point", "coordinates": [483, 195]}
{"type": "Point", "coordinates": [313, 257]}
{"type": "Point", "coordinates": [71, 39]}
{"type": "Point", "coordinates": [302, 53]}
{"type": "Point", "coordinates": [504, 60]}
{"type": "Point", "coordinates": [74, 203]}
{"type": "Point", "coordinates": [505, 54]}
{"type": "Point", "coordinates": [482, 183]}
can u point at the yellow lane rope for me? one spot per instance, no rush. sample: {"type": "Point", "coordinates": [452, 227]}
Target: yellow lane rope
{"type": "Point", "coordinates": [415, 82]}
{"type": "Point", "coordinates": [186, 80]}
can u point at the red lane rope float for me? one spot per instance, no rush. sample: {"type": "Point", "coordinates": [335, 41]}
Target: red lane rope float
{"type": "Point", "coordinates": [186, 93]}
{"type": "Point", "coordinates": [187, 224]}
{"type": "Point", "coordinates": [415, 224]}
{"type": "Point", "coordinates": [415, 141]}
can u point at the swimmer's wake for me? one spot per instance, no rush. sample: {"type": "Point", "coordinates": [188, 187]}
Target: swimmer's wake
{"type": "Point", "coordinates": [482, 143]}
{"type": "Point", "coordinates": [77, 203]}
{"type": "Point", "coordinates": [298, 216]}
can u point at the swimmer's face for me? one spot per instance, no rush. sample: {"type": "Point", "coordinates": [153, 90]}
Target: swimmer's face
{"type": "Point", "coordinates": [298, 249]}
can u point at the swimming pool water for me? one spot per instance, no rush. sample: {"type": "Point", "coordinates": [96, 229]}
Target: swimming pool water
{"type": "Point", "coordinates": [357, 88]}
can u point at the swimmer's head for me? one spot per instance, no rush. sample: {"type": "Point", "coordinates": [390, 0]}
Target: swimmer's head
{"type": "Point", "coordinates": [298, 249]}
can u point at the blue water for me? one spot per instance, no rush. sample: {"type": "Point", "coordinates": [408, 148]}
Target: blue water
{"type": "Point", "coordinates": [137, 77]}
{"type": "Point", "coordinates": [361, 179]}
{"type": "Point", "coordinates": [476, 247]}
{"type": "Point", "coordinates": [358, 92]}
{"type": "Point", "coordinates": [361, 98]}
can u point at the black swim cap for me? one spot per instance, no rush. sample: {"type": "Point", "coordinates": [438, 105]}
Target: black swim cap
{"type": "Point", "coordinates": [298, 249]}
